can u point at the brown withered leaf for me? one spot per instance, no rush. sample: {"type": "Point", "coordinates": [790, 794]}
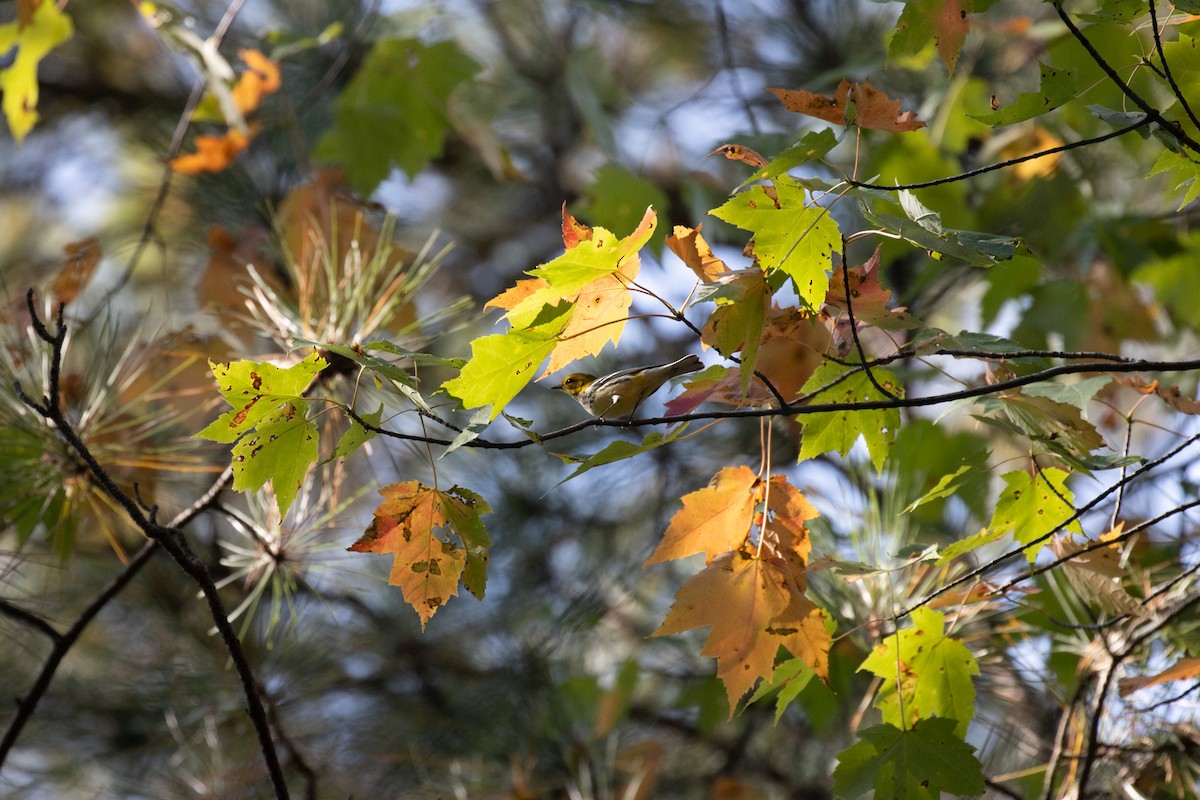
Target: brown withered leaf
{"type": "Point", "coordinates": [873, 109]}
{"type": "Point", "coordinates": [737, 152]}
{"type": "Point", "coordinates": [82, 258]}
{"type": "Point", "coordinates": [1172, 395]}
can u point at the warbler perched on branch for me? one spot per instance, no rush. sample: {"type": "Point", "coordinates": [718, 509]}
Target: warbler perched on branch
{"type": "Point", "coordinates": [619, 394]}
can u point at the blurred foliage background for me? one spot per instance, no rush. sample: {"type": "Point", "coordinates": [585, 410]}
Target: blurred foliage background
{"type": "Point", "coordinates": [458, 131]}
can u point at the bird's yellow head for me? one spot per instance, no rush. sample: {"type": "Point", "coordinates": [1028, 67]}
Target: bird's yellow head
{"type": "Point", "coordinates": [575, 383]}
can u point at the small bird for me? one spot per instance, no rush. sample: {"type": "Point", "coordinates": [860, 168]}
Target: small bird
{"type": "Point", "coordinates": [619, 394]}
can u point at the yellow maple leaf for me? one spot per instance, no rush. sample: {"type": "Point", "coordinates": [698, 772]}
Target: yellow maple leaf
{"type": "Point", "coordinates": [601, 310]}
{"type": "Point", "coordinates": [713, 520]}
{"type": "Point", "coordinates": [32, 37]}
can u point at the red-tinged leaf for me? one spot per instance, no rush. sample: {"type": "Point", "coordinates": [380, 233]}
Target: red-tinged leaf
{"type": "Point", "coordinates": [689, 245]}
{"type": "Point", "coordinates": [872, 108]}
{"type": "Point", "coordinates": [426, 568]}
{"type": "Point", "coordinates": [573, 231]}
{"type": "Point", "coordinates": [725, 389]}
{"type": "Point", "coordinates": [713, 520]}
{"type": "Point", "coordinates": [945, 21]}
{"type": "Point", "coordinates": [868, 299]}
{"type": "Point", "coordinates": [1183, 669]}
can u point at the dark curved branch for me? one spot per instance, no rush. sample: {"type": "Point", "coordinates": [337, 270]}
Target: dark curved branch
{"type": "Point", "coordinates": [1166, 67]}
{"type": "Point", "coordinates": [962, 176]}
{"type": "Point", "coordinates": [1152, 114]}
{"type": "Point", "coordinates": [169, 537]}
{"type": "Point", "coordinates": [802, 405]}
{"type": "Point", "coordinates": [862, 356]}
{"type": "Point", "coordinates": [29, 619]}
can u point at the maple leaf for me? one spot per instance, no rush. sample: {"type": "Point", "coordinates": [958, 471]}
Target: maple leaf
{"type": "Point", "coordinates": [868, 299]}
{"type": "Point", "coordinates": [689, 245]}
{"type": "Point", "coordinates": [737, 322]}
{"type": "Point", "coordinates": [725, 387]}
{"type": "Point", "coordinates": [713, 520]}
{"type": "Point", "coordinates": [27, 41]}
{"type": "Point", "coordinates": [839, 430]}
{"type": "Point", "coordinates": [789, 235]}
{"type": "Point", "coordinates": [925, 673]}
{"type": "Point", "coordinates": [425, 567]}
{"type": "Point", "coordinates": [274, 440]}
{"type": "Point", "coordinates": [1033, 505]}
{"type": "Point", "coordinates": [858, 104]}
{"type": "Point", "coordinates": [945, 21]}
{"type": "Point", "coordinates": [601, 309]}
{"type": "Point", "coordinates": [915, 764]}
{"type": "Point", "coordinates": [738, 596]}
{"type": "Point", "coordinates": [1172, 395]}
{"type": "Point", "coordinates": [573, 231]}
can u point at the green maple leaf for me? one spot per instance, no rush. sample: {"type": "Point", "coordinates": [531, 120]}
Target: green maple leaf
{"type": "Point", "coordinates": [281, 451]}
{"type": "Point", "coordinates": [796, 238]}
{"type": "Point", "coordinates": [394, 110]}
{"type": "Point", "coordinates": [1057, 87]}
{"type": "Point", "coordinates": [1031, 506]}
{"type": "Point", "coordinates": [257, 390]}
{"type": "Point", "coordinates": [1183, 173]}
{"type": "Point", "coordinates": [594, 258]}
{"type": "Point", "coordinates": [274, 440]}
{"type": "Point", "coordinates": [915, 764]}
{"type": "Point", "coordinates": [931, 670]}
{"type": "Point", "coordinates": [839, 430]}
{"type": "Point", "coordinates": [502, 364]}
{"type": "Point", "coordinates": [463, 509]}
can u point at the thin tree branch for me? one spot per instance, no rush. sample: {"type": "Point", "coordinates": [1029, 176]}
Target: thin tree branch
{"type": "Point", "coordinates": [168, 537]}
{"type": "Point", "coordinates": [30, 619]}
{"type": "Point", "coordinates": [862, 356]}
{"type": "Point", "coordinates": [801, 407]}
{"type": "Point", "coordinates": [1152, 114]}
{"type": "Point", "coordinates": [1162, 56]}
{"type": "Point", "coordinates": [962, 176]}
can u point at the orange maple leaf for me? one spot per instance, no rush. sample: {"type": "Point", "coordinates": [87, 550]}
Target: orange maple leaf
{"type": "Point", "coordinates": [426, 568]}
{"type": "Point", "coordinates": [689, 245]}
{"type": "Point", "coordinates": [952, 26]}
{"type": "Point", "coordinates": [522, 290]}
{"type": "Point", "coordinates": [261, 79]}
{"type": "Point", "coordinates": [739, 596]}
{"type": "Point", "coordinates": [214, 153]}
{"type": "Point", "coordinates": [713, 520]}
{"type": "Point", "coordinates": [873, 109]}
